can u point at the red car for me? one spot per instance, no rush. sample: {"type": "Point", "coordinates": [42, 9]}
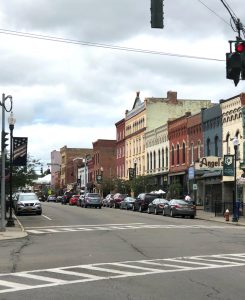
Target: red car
{"type": "Point", "coordinates": [73, 199]}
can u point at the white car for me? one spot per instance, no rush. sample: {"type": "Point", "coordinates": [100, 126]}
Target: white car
{"type": "Point", "coordinates": [28, 203]}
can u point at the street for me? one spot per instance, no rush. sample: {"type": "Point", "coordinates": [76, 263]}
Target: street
{"type": "Point", "coordinates": [77, 253]}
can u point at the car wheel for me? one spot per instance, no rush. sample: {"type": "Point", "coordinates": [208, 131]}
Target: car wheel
{"type": "Point", "coordinates": [183, 217]}
{"type": "Point", "coordinates": [155, 211]}
{"type": "Point", "coordinates": [39, 213]}
{"type": "Point", "coordinates": [192, 217]}
{"type": "Point", "coordinates": [85, 206]}
{"type": "Point", "coordinates": [100, 207]}
{"type": "Point", "coordinates": [148, 210]}
{"type": "Point", "coordinates": [171, 213]}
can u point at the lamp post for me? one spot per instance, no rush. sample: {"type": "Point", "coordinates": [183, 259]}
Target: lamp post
{"type": "Point", "coordinates": [11, 120]}
{"type": "Point", "coordinates": [101, 173]}
{"type": "Point", "coordinates": [235, 144]}
{"type": "Point", "coordinates": [4, 98]}
{"type": "Point", "coordinates": [135, 167]}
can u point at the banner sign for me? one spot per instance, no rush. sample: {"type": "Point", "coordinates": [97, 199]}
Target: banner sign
{"type": "Point", "coordinates": [228, 166]}
{"type": "Point", "coordinates": [99, 178]}
{"type": "Point", "coordinates": [20, 151]}
{"type": "Point", "coordinates": [131, 173]}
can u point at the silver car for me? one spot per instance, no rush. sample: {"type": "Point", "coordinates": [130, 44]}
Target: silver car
{"type": "Point", "coordinates": [179, 207]}
{"type": "Point", "coordinates": [28, 203]}
{"type": "Point", "coordinates": [91, 200]}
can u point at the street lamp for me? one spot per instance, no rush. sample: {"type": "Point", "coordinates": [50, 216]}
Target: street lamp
{"type": "Point", "coordinates": [101, 173]}
{"type": "Point", "coordinates": [11, 121]}
{"type": "Point", "coordinates": [4, 98]}
{"type": "Point", "coordinates": [235, 144]}
{"type": "Point", "coordinates": [135, 167]}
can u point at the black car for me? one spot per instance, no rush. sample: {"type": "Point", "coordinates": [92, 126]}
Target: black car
{"type": "Point", "coordinates": [157, 206]}
{"type": "Point", "coordinates": [179, 207]}
{"type": "Point", "coordinates": [142, 201]}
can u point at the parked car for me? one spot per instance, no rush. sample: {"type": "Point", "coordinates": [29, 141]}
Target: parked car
{"type": "Point", "coordinates": [107, 199]}
{"type": "Point", "coordinates": [66, 197]}
{"type": "Point", "coordinates": [179, 207]}
{"type": "Point", "coordinates": [142, 201]}
{"type": "Point", "coordinates": [117, 199]}
{"type": "Point", "coordinates": [127, 203]}
{"type": "Point", "coordinates": [91, 200]}
{"type": "Point", "coordinates": [73, 200]}
{"type": "Point", "coordinates": [156, 206]}
{"type": "Point", "coordinates": [28, 203]}
{"type": "Point", "coordinates": [51, 198]}
{"type": "Point", "coordinates": [59, 198]}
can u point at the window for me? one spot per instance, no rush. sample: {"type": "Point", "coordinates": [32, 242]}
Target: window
{"type": "Point", "coordinates": [178, 154]}
{"type": "Point", "coordinates": [208, 147]}
{"type": "Point", "coordinates": [199, 150]}
{"type": "Point", "coordinates": [183, 152]}
{"type": "Point", "coordinates": [172, 154]}
{"type": "Point", "coordinates": [148, 162]}
{"type": "Point", "coordinates": [192, 153]}
{"type": "Point", "coordinates": [166, 151]}
{"type": "Point", "coordinates": [151, 161]}
{"type": "Point", "coordinates": [162, 158]}
{"type": "Point", "coordinates": [216, 149]}
{"type": "Point", "coordinates": [159, 159]}
{"type": "Point", "coordinates": [227, 144]}
{"type": "Point", "coordinates": [154, 160]}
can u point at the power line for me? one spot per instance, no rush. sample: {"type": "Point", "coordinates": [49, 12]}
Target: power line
{"type": "Point", "coordinates": [214, 12]}
{"type": "Point", "coordinates": [98, 45]}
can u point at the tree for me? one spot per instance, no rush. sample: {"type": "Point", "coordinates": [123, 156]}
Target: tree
{"type": "Point", "coordinates": [24, 176]}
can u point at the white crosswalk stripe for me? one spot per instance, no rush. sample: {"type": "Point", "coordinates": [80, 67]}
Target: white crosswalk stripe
{"type": "Point", "coordinates": [80, 228]}
{"type": "Point", "coordinates": [92, 272]}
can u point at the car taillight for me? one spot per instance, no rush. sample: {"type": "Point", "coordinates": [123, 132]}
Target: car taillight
{"type": "Point", "coordinates": [161, 206]}
{"type": "Point", "coordinates": [176, 206]}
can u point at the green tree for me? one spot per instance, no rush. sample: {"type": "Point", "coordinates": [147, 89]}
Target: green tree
{"type": "Point", "coordinates": [24, 176]}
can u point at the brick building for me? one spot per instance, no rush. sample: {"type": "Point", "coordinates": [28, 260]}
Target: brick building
{"type": "Point", "coordinates": [120, 149]}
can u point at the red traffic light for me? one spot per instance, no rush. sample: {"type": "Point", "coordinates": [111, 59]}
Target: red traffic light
{"type": "Point", "coordinates": [240, 47]}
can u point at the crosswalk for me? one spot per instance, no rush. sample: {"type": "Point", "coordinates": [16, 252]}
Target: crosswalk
{"type": "Point", "coordinates": [26, 280]}
{"type": "Point", "coordinates": [109, 227]}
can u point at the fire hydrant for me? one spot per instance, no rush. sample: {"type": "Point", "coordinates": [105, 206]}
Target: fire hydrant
{"type": "Point", "coordinates": [227, 215]}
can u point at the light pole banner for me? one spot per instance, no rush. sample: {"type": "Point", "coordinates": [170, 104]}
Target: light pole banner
{"type": "Point", "coordinates": [228, 166]}
{"type": "Point", "coordinates": [20, 151]}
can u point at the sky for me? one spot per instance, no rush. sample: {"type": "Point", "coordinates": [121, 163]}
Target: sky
{"type": "Point", "coordinates": [73, 94]}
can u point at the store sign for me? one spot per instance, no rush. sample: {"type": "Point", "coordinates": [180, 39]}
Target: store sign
{"type": "Point", "coordinates": [191, 173]}
{"type": "Point", "coordinates": [99, 178]}
{"type": "Point", "coordinates": [228, 167]}
{"type": "Point", "coordinates": [209, 162]}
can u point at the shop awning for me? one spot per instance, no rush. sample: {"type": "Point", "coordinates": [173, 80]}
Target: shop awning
{"type": "Point", "coordinates": [212, 174]}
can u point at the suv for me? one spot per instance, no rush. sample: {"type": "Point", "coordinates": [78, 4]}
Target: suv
{"type": "Point", "coordinates": [28, 203]}
{"type": "Point", "coordinates": [142, 201]}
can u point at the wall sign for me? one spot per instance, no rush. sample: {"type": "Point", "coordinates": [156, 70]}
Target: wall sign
{"type": "Point", "coordinates": [228, 167]}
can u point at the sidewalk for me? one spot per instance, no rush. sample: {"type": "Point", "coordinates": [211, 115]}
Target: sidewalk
{"type": "Point", "coordinates": [15, 232]}
{"type": "Point", "coordinates": [210, 216]}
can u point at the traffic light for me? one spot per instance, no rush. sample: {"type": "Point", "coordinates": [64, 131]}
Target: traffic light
{"type": "Point", "coordinates": [156, 13]}
{"type": "Point", "coordinates": [235, 63]}
{"type": "Point", "coordinates": [4, 140]}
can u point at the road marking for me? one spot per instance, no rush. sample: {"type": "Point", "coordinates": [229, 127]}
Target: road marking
{"type": "Point", "coordinates": [115, 270]}
{"type": "Point", "coordinates": [82, 225]}
{"type": "Point", "coordinates": [47, 217]}
{"type": "Point", "coordinates": [79, 228]}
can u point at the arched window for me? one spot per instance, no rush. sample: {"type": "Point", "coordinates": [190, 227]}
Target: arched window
{"type": "Point", "coordinates": [166, 153]}
{"type": "Point", "coordinates": [154, 160]}
{"type": "Point", "coordinates": [216, 146]}
{"type": "Point", "coordinates": [162, 158]}
{"type": "Point", "coordinates": [148, 163]}
{"type": "Point", "coordinates": [159, 159]}
{"type": "Point", "coordinates": [192, 153]}
{"type": "Point", "coordinates": [151, 161]}
{"type": "Point", "coordinates": [183, 153]}
{"type": "Point", "coordinates": [172, 155]}
{"type": "Point", "coordinates": [177, 154]}
{"type": "Point", "coordinates": [199, 150]}
{"type": "Point", "coordinates": [208, 147]}
{"type": "Point", "coordinates": [227, 143]}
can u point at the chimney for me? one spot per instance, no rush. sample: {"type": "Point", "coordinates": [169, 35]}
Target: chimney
{"type": "Point", "coordinates": [172, 97]}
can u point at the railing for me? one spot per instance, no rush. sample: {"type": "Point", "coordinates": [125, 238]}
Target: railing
{"type": "Point", "coordinates": [219, 208]}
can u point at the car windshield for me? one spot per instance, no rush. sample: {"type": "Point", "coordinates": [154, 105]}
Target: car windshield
{"type": "Point", "coordinates": [27, 197]}
{"type": "Point", "coordinates": [93, 195]}
{"type": "Point", "coordinates": [180, 202]}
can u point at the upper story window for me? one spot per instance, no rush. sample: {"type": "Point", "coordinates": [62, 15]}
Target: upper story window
{"type": "Point", "coordinates": [216, 146]}
{"type": "Point", "coordinates": [208, 147]}
{"type": "Point", "coordinates": [183, 152]}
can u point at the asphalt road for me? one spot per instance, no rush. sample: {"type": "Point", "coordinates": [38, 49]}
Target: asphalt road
{"type": "Point", "coordinates": [78, 253]}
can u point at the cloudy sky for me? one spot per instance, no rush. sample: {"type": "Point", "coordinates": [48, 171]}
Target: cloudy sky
{"type": "Point", "coordinates": [73, 94]}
